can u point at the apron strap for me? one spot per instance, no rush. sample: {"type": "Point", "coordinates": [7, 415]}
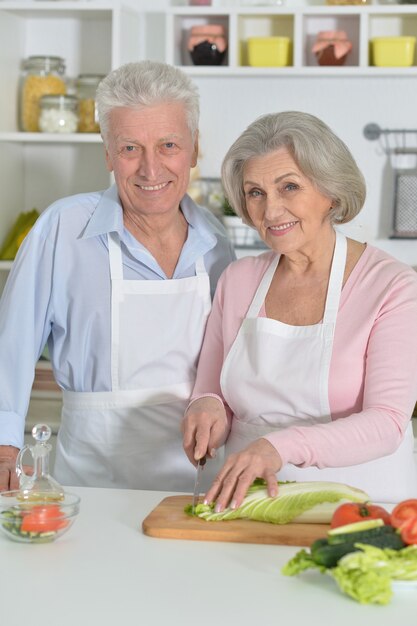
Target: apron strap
{"type": "Point", "coordinates": [116, 274]}
{"type": "Point", "coordinates": [115, 256]}
{"type": "Point", "coordinates": [200, 268]}
{"type": "Point", "coordinates": [260, 295]}
{"type": "Point", "coordinates": [334, 289]}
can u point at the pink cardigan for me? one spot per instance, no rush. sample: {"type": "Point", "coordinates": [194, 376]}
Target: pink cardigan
{"type": "Point", "coordinates": [373, 373]}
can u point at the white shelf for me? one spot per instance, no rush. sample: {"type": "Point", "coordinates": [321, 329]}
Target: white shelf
{"type": "Point", "coordinates": [301, 24]}
{"type": "Point", "coordinates": [5, 266]}
{"type": "Point", "coordinates": [46, 395]}
{"type": "Point", "coordinates": [72, 138]}
{"type": "Point", "coordinates": [305, 71]}
{"type": "Point", "coordinates": [38, 8]}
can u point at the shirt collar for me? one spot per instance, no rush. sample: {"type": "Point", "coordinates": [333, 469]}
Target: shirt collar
{"type": "Point", "coordinates": [108, 217]}
{"type": "Point", "coordinates": [197, 220]}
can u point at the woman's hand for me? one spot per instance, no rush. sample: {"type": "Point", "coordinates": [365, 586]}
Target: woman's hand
{"type": "Point", "coordinates": [205, 427]}
{"type": "Point", "coordinates": [258, 460]}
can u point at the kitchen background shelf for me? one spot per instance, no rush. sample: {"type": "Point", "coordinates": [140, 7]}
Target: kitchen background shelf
{"type": "Point", "coordinates": [19, 137]}
{"type": "Point", "coordinates": [301, 24]}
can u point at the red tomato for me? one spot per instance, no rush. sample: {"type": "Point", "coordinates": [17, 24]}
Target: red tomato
{"type": "Point", "coordinates": [408, 530]}
{"type": "Point", "coordinates": [43, 519]}
{"type": "Point", "coordinates": [352, 512]}
{"type": "Point", "coordinates": [403, 511]}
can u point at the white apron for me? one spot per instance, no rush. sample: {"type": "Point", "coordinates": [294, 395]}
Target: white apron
{"type": "Point", "coordinates": [277, 375]}
{"type": "Point", "coordinates": [130, 436]}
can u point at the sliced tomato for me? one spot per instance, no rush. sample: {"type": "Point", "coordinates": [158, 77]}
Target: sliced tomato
{"type": "Point", "coordinates": [352, 512]}
{"type": "Point", "coordinates": [408, 530]}
{"type": "Point", "coordinates": [44, 519]}
{"type": "Point", "coordinates": [403, 511]}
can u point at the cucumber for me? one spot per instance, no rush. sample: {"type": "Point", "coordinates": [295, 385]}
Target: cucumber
{"type": "Point", "coordinates": [361, 536]}
{"type": "Point", "coordinates": [356, 527]}
{"type": "Point", "coordinates": [328, 554]}
{"type": "Point", "coordinates": [392, 541]}
{"type": "Point", "coordinates": [319, 543]}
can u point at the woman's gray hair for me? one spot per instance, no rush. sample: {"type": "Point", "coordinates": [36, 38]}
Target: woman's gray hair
{"type": "Point", "coordinates": [143, 84]}
{"type": "Point", "coordinates": [321, 156]}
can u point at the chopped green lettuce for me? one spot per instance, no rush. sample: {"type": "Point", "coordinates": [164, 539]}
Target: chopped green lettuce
{"type": "Point", "coordinates": [367, 586]}
{"type": "Point", "coordinates": [396, 564]}
{"type": "Point", "coordinates": [313, 501]}
{"type": "Point", "coordinates": [301, 561]}
{"type": "Point", "coordinates": [365, 575]}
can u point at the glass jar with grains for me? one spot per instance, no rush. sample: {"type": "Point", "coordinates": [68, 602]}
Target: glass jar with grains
{"type": "Point", "coordinates": [58, 114]}
{"type": "Point", "coordinates": [87, 110]}
{"type": "Point", "coordinates": [41, 75]}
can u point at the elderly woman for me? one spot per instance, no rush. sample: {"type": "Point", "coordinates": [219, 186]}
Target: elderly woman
{"type": "Point", "coordinates": [308, 367]}
{"type": "Point", "coordinates": [119, 283]}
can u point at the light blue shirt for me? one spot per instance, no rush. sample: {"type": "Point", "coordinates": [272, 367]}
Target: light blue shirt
{"type": "Point", "coordinates": [58, 292]}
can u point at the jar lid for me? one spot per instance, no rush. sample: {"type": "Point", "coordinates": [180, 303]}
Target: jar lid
{"type": "Point", "coordinates": [56, 100]}
{"type": "Point", "coordinates": [89, 79]}
{"type": "Point", "coordinates": [44, 63]}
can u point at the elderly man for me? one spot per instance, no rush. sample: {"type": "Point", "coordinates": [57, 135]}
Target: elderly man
{"type": "Point", "coordinates": [119, 285]}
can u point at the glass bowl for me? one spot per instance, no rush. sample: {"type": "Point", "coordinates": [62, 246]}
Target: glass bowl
{"type": "Point", "coordinates": [36, 520]}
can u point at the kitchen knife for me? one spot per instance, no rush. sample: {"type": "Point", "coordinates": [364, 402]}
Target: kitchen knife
{"type": "Point", "coordinates": [196, 493]}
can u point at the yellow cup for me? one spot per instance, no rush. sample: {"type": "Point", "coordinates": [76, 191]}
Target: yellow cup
{"type": "Point", "coordinates": [269, 51]}
{"type": "Point", "coordinates": [393, 51]}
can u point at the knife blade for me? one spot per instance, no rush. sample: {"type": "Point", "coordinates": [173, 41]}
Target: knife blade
{"type": "Point", "coordinates": [196, 493]}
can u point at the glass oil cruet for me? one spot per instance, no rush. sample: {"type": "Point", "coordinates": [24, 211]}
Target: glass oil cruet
{"type": "Point", "coordinates": [40, 485]}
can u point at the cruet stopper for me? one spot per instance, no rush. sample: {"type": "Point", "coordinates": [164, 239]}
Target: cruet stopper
{"type": "Point", "coordinates": [40, 485]}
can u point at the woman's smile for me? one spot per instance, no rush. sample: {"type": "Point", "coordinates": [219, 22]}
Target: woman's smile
{"type": "Point", "coordinates": [282, 229]}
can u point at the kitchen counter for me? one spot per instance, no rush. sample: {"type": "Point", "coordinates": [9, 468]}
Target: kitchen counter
{"type": "Point", "coordinates": [104, 571]}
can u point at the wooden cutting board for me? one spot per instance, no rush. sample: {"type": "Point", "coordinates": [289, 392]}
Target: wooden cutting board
{"type": "Point", "coordinates": [169, 521]}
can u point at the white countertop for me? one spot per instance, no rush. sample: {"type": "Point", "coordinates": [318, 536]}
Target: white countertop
{"type": "Point", "coordinates": [105, 572]}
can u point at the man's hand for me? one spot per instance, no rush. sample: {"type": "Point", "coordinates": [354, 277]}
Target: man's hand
{"type": "Point", "coordinates": [8, 476]}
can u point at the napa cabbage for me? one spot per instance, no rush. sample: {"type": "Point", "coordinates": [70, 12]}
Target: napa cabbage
{"type": "Point", "coordinates": [313, 502]}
